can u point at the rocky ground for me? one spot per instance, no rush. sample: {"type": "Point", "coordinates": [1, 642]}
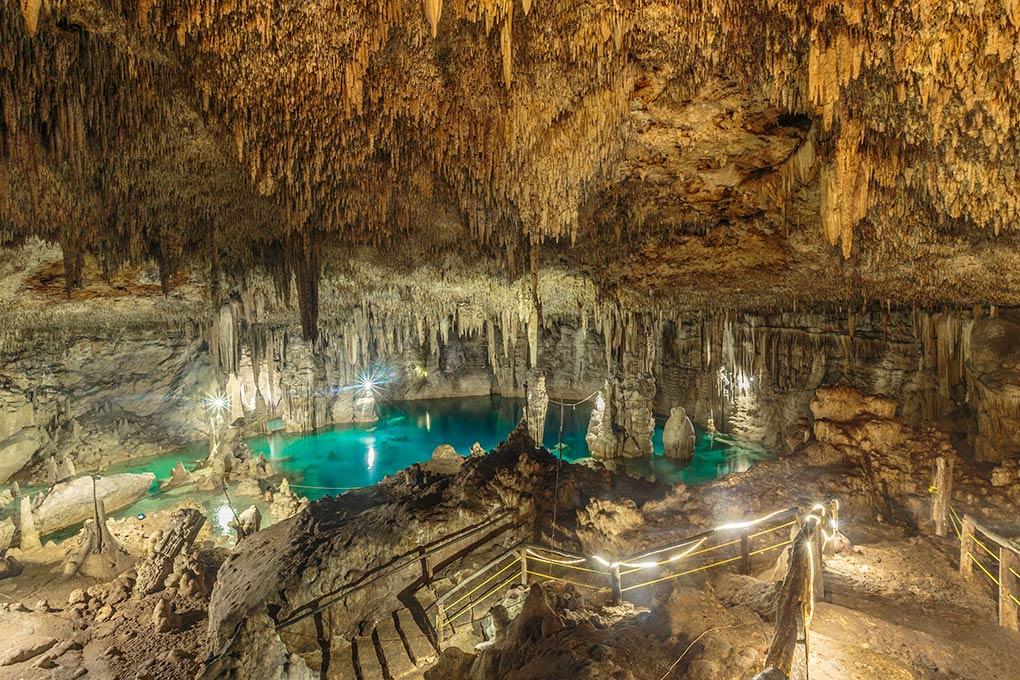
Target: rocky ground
{"type": "Point", "coordinates": [895, 605]}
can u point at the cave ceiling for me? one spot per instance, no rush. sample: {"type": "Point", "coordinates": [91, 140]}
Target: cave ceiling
{"type": "Point", "coordinates": [700, 153]}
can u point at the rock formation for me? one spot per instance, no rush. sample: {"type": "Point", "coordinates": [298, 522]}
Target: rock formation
{"type": "Point", "coordinates": [678, 435]}
{"type": "Point", "coordinates": [160, 563]}
{"type": "Point", "coordinates": [98, 555]}
{"type": "Point", "coordinates": [994, 385]}
{"type": "Point", "coordinates": [70, 503]}
{"type": "Point", "coordinates": [286, 503]}
{"type": "Point", "coordinates": [537, 407]}
{"type": "Point", "coordinates": [622, 420]}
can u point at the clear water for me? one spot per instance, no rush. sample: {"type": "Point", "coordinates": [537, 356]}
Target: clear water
{"type": "Point", "coordinates": [331, 461]}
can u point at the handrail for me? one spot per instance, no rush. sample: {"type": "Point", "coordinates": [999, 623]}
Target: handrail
{"type": "Point", "coordinates": [525, 558]}
{"type": "Point", "coordinates": [1007, 583]}
{"type": "Point", "coordinates": [791, 511]}
{"type": "Point", "coordinates": [419, 554]}
{"type": "Point", "coordinates": [481, 570]}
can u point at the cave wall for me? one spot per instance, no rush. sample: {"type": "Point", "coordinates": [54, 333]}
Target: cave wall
{"type": "Point", "coordinates": [96, 400]}
{"type": "Point", "coordinates": [751, 375]}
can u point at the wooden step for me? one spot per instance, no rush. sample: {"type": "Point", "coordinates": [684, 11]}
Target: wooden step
{"type": "Point", "coordinates": [368, 659]}
{"type": "Point", "coordinates": [341, 660]}
{"type": "Point", "coordinates": [395, 650]}
{"type": "Point", "coordinates": [422, 650]}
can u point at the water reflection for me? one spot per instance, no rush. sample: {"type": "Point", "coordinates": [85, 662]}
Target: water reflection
{"type": "Point", "coordinates": [408, 432]}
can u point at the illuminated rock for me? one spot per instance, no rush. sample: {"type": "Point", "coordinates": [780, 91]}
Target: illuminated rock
{"type": "Point", "coordinates": [538, 406]}
{"type": "Point", "coordinates": [678, 436]}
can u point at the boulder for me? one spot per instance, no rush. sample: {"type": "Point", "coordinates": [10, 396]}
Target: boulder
{"type": "Point", "coordinates": [25, 648]}
{"type": "Point", "coordinates": [445, 460]}
{"type": "Point", "coordinates": [247, 523]}
{"type": "Point", "coordinates": [70, 503]}
{"type": "Point", "coordinates": [678, 435]}
{"type": "Point", "coordinates": [17, 450]}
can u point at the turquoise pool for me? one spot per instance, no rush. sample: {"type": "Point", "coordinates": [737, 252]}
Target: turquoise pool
{"type": "Point", "coordinates": [328, 462]}
{"type": "Point", "coordinates": [346, 457]}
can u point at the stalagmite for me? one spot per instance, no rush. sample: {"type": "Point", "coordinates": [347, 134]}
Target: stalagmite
{"type": "Point", "coordinates": [152, 572]}
{"type": "Point", "coordinates": [678, 435]}
{"type": "Point", "coordinates": [29, 535]}
{"type": "Point", "coordinates": [99, 554]}
{"type": "Point", "coordinates": [622, 420]}
{"type": "Point", "coordinates": [537, 407]}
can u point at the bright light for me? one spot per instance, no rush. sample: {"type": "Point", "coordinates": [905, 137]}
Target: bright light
{"type": "Point", "coordinates": [420, 371]}
{"type": "Point", "coordinates": [370, 458]}
{"type": "Point", "coordinates": [744, 383]}
{"type": "Point", "coordinates": [600, 403]}
{"type": "Point", "coordinates": [216, 403]}
{"type": "Point", "coordinates": [224, 516]}
{"type": "Point", "coordinates": [369, 382]}
{"type": "Point", "coordinates": [751, 523]}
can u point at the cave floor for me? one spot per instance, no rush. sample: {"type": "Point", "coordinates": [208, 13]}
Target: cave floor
{"type": "Point", "coordinates": [898, 608]}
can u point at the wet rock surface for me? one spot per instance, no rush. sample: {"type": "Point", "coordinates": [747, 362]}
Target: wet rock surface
{"type": "Point", "coordinates": [71, 503]}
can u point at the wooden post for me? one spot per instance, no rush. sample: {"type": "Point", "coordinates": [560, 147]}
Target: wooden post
{"type": "Point", "coordinates": [942, 485]}
{"type": "Point", "coordinates": [817, 545]}
{"type": "Point", "coordinates": [967, 548]}
{"type": "Point", "coordinates": [1009, 587]}
{"type": "Point", "coordinates": [440, 623]}
{"type": "Point", "coordinates": [745, 554]}
{"type": "Point", "coordinates": [614, 582]}
{"type": "Point", "coordinates": [524, 566]}
{"type": "Point", "coordinates": [426, 568]}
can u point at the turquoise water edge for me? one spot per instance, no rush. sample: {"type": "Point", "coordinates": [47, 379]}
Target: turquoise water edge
{"type": "Point", "coordinates": [330, 461]}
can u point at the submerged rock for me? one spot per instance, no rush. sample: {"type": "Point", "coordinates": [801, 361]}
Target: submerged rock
{"type": "Point", "coordinates": [69, 503]}
{"type": "Point", "coordinates": [678, 436]}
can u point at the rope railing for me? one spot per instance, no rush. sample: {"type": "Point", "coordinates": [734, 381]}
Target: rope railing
{"type": "Point", "coordinates": [1001, 567]}
{"type": "Point", "coordinates": [737, 542]}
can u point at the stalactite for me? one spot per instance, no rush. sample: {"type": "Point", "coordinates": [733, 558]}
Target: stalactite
{"type": "Point", "coordinates": [305, 262]}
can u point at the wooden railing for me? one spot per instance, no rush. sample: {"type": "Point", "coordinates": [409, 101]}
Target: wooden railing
{"type": "Point", "coordinates": [492, 526]}
{"type": "Point", "coordinates": [730, 544]}
{"type": "Point", "coordinates": [1000, 563]}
